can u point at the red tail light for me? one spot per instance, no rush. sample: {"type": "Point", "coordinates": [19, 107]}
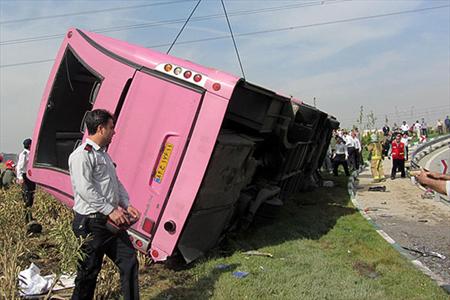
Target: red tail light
{"type": "Point", "coordinates": [139, 243]}
{"type": "Point", "coordinates": [148, 225]}
{"type": "Point", "coordinates": [216, 86]}
{"type": "Point", "coordinates": [155, 253]}
{"type": "Point", "coordinates": [187, 74]}
{"type": "Point", "coordinates": [197, 77]}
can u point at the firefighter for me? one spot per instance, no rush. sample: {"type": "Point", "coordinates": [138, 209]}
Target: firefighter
{"type": "Point", "coordinates": [398, 156]}
{"type": "Point", "coordinates": [376, 158]}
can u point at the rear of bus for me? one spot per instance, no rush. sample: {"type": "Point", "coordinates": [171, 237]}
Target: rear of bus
{"type": "Point", "coordinates": [167, 121]}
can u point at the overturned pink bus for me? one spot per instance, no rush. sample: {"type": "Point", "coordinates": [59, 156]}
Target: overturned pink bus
{"type": "Point", "coordinates": [199, 151]}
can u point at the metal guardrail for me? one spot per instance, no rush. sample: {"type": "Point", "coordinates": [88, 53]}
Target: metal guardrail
{"type": "Point", "coordinates": [427, 148]}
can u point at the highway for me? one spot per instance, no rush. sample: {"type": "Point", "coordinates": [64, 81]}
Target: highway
{"type": "Point", "coordinates": [433, 161]}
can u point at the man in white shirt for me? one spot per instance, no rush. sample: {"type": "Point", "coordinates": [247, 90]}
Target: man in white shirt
{"type": "Point", "coordinates": [358, 157]}
{"type": "Point", "coordinates": [99, 196]}
{"type": "Point", "coordinates": [350, 144]}
{"type": "Point", "coordinates": [28, 187]}
{"type": "Point", "coordinates": [340, 157]}
{"type": "Point", "coordinates": [404, 127]}
{"type": "Point", "coordinates": [417, 128]}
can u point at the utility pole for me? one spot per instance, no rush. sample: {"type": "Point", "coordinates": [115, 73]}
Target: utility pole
{"type": "Point", "coordinates": [314, 100]}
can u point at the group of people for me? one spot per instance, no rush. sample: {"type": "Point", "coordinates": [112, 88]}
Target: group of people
{"type": "Point", "coordinates": [99, 200]}
{"type": "Point", "coordinates": [345, 151]}
{"type": "Point", "coordinates": [420, 129]}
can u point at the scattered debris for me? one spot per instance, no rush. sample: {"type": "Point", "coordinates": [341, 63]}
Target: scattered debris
{"type": "Point", "coordinates": [425, 253]}
{"type": "Point", "coordinates": [384, 203]}
{"type": "Point", "coordinates": [428, 194]}
{"type": "Point", "coordinates": [240, 274]}
{"type": "Point", "coordinates": [436, 254]}
{"type": "Point", "coordinates": [32, 283]}
{"type": "Point", "coordinates": [377, 188]}
{"type": "Point", "coordinates": [223, 267]}
{"type": "Point", "coordinates": [257, 253]}
{"type": "Point", "coordinates": [385, 216]}
{"type": "Point", "coordinates": [422, 220]}
{"type": "Point", "coordinates": [328, 183]}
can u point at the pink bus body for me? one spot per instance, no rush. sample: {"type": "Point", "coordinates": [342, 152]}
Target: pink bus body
{"type": "Point", "coordinates": [189, 139]}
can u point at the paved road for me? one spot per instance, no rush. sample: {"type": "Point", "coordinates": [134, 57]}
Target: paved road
{"type": "Point", "coordinates": [413, 222]}
{"type": "Point", "coordinates": [432, 161]}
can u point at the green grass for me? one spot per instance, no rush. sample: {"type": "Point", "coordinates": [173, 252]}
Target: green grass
{"type": "Point", "coordinates": [322, 249]}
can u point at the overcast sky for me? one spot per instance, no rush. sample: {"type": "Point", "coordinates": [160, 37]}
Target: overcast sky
{"type": "Point", "coordinates": [392, 57]}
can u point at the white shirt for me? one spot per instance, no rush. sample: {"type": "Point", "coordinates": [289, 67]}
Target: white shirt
{"type": "Point", "coordinates": [405, 141]}
{"type": "Point", "coordinates": [96, 186]}
{"type": "Point", "coordinates": [22, 163]}
{"type": "Point", "coordinates": [448, 189]}
{"type": "Point", "coordinates": [417, 126]}
{"type": "Point", "coordinates": [357, 143]}
{"type": "Point", "coordinates": [341, 149]}
{"type": "Point", "coordinates": [349, 141]}
{"type": "Point", "coordinates": [404, 127]}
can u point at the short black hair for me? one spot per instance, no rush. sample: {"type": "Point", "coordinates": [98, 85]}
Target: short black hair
{"type": "Point", "coordinates": [96, 118]}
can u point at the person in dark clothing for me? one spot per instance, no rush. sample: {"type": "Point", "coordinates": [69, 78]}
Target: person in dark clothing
{"type": "Point", "coordinates": [340, 157]}
{"type": "Point", "coordinates": [398, 157]}
{"type": "Point", "coordinates": [28, 186]}
{"type": "Point", "coordinates": [100, 198]}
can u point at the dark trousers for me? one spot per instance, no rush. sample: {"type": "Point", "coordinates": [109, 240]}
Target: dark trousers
{"type": "Point", "coordinates": [352, 157]}
{"type": "Point", "coordinates": [339, 159]}
{"type": "Point", "coordinates": [398, 165]}
{"type": "Point", "coordinates": [28, 189]}
{"type": "Point", "coordinates": [117, 247]}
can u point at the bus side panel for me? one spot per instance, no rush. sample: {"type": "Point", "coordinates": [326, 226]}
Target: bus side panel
{"type": "Point", "coordinates": [190, 176]}
{"type": "Point", "coordinates": [151, 134]}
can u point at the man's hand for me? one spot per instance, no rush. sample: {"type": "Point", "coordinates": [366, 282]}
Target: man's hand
{"type": "Point", "coordinates": [134, 213]}
{"type": "Point", "coordinates": [118, 217]}
{"type": "Point", "coordinates": [19, 181]}
{"type": "Point", "coordinates": [422, 177]}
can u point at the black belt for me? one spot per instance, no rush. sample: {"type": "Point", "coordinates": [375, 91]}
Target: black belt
{"type": "Point", "coordinates": [96, 215]}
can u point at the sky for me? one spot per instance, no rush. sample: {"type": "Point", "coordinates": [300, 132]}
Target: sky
{"type": "Point", "coordinates": [391, 57]}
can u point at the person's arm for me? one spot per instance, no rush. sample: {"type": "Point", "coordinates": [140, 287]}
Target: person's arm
{"type": "Point", "coordinates": [81, 170]}
{"type": "Point", "coordinates": [20, 169]}
{"type": "Point", "coordinates": [438, 176]}
{"type": "Point", "coordinates": [439, 186]}
{"type": "Point", "coordinates": [124, 199]}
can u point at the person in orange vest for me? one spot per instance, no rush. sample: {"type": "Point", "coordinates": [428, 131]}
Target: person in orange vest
{"type": "Point", "coordinates": [398, 156]}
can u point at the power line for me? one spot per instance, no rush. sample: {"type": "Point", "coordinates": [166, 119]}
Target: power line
{"type": "Point", "coordinates": [184, 25]}
{"type": "Point", "coordinates": [232, 37]}
{"type": "Point", "coordinates": [89, 12]}
{"type": "Point", "coordinates": [271, 30]}
{"type": "Point", "coordinates": [168, 22]}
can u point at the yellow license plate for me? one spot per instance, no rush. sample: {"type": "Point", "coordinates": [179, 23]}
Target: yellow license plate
{"type": "Point", "coordinates": [163, 162]}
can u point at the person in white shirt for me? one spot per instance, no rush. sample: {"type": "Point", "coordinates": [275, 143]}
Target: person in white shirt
{"type": "Point", "coordinates": [99, 196]}
{"type": "Point", "coordinates": [404, 127]}
{"type": "Point", "coordinates": [340, 157]}
{"type": "Point", "coordinates": [28, 187]}
{"type": "Point", "coordinates": [350, 143]}
{"type": "Point", "coordinates": [417, 128]}
{"type": "Point", "coordinates": [405, 139]}
{"type": "Point", "coordinates": [358, 157]}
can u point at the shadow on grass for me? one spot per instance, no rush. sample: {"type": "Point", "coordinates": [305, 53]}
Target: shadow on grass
{"type": "Point", "coordinates": [204, 284]}
{"type": "Point", "coordinates": [307, 215]}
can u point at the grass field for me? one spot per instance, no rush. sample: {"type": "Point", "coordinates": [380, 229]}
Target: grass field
{"type": "Point", "coordinates": [322, 249]}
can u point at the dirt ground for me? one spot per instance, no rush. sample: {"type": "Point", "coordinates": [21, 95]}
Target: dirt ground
{"type": "Point", "coordinates": [414, 222]}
